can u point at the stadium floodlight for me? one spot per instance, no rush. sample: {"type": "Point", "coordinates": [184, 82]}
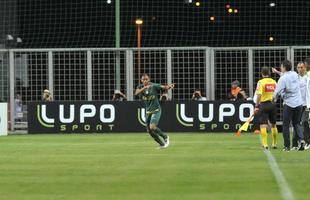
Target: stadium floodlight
{"type": "Point", "coordinates": [109, 1]}
{"type": "Point", "coordinates": [139, 21]}
{"type": "Point", "coordinates": [271, 39]}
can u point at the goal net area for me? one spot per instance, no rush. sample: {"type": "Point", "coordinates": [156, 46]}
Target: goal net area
{"type": "Point", "coordinates": [92, 23]}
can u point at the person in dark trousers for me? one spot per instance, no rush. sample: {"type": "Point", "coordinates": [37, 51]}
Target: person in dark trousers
{"type": "Point", "coordinates": [302, 74]}
{"type": "Point", "coordinates": [289, 89]}
{"type": "Point", "coordinates": [306, 114]}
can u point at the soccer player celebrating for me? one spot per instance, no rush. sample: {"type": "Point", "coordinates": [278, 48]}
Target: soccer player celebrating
{"type": "Point", "coordinates": [149, 92]}
{"type": "Point", "coordinates": [265, 108]}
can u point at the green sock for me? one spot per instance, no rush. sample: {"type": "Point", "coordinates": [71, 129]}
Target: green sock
{"type": "Point", "coordinates": [162, 134]}
{"type": "Point", "coordinates": [157, 138]}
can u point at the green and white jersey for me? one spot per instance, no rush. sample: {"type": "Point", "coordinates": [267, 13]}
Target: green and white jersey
{"type": "Point", "coordinates": [303, 88]}
{"type": "Point", "coordinates": [150, 97]}
{"type": "Point", "coordinates": [308, 91]}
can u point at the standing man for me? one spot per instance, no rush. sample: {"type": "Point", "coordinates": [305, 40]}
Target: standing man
{"type": "Point", "coordinates": [266, 108]}
{"type": "Point", "coordinates": [302, 74]}
{"type": "Point", "coordinates": [289, 89]}
{"type": "Point", "coordinates": [150, 93]}
{"type": "Point", "coordinates": [306, 114]}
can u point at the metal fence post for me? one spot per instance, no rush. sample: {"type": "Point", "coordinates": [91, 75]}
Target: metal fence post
{"type": "Point", "coordinates": [89, 76]}
{"type": "Point", "coordinates": [169, 71]}
{"type": "Point", "coordinates": [208, 74]}
{"type": "Point", "coordinates": [288, 56]}
{"type": "Point", "coordinates": [212, 81]}
{"type": "Point", "coordinates": [251, 73]}
{"type": "Point", "coordinates": [292, 56]}
{"type": "Point", "coordinates": [50, 72]}
{"type": "Point", "coordinates": [117, 45]}
{"type": "Point", "coordinates": [12, 89]}
{"type": "Point", "coordinates": [129, 75]}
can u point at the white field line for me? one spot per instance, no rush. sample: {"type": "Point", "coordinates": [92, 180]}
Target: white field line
{"type": "Point", "coordinates": [285, 189]}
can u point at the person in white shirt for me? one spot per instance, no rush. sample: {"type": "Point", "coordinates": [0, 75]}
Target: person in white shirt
{"type": "Point", "coordinates": [306, 114]}
{"type": "Point", "coordinates": [288, 88]}
{"type": "Point", "coordinates": [302, 75]}
{"type": "Point", "coordinates": [307, 65]}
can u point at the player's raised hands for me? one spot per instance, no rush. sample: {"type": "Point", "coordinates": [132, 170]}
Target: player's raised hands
{"type": "Point", "coordinates": [275, 71]}
{"type": "Point", "coordinates": [147, 86]}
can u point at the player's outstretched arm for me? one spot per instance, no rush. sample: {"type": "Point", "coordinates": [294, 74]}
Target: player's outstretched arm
{"type": "Point", "coordinates": [139, 91]}
{"type": "Point", "coordinates": [275, 71]}
{"type": "Point", "coordinates": [168, 87]}
{"type": "Point", "coordinates": [279, 90]}
{"type": "Point", "coordinates": [123, 95]}
{"type": "Point", "coordinates": [257, 103]}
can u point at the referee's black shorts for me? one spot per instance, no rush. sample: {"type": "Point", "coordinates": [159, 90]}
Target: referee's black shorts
{"type": "Point", "coordinates": [267, 111]}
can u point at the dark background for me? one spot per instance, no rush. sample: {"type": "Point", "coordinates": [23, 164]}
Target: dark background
{"type": "Point", "coordinates": [91, 23]}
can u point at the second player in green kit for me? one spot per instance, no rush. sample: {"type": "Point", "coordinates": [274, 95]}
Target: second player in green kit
{"type": "Point", "coordinates": [149, 93]}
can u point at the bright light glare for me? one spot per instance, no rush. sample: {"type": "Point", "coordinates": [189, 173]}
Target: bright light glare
{"type": "Point", "coordinates": [139, 21]}
{"type": "Point", "coordinates": [272, 4]}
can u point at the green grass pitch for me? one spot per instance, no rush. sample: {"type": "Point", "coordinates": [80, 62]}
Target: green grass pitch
{"type": "Point", "coordinates": [127, 166]}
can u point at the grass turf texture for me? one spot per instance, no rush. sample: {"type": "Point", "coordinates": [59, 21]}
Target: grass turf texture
{"type": "Point", "coordinates": [127, 166]}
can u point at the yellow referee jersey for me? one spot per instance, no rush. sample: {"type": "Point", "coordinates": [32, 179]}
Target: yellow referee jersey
{"type": "Point", "coordinates": [265, 88]}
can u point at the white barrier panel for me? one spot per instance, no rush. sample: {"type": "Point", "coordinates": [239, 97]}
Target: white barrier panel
{"type": "Point", "coordinates": [3, 119]}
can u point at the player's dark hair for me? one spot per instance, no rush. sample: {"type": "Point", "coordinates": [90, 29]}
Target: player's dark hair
{"type": "Point", "coordinates": [265, 71]}
{"type": "Point", "coordinates": [144, 74]}
{"type": "Point", "coordinates": [235, 82]}
{"type": "Point", "coordinates": [287, 65]}
{"type": "Point", "coordinates": [301, 63]}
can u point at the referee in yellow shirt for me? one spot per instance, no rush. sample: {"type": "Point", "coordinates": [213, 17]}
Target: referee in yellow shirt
{"type": "Point", "coordinates": [266, 109]}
